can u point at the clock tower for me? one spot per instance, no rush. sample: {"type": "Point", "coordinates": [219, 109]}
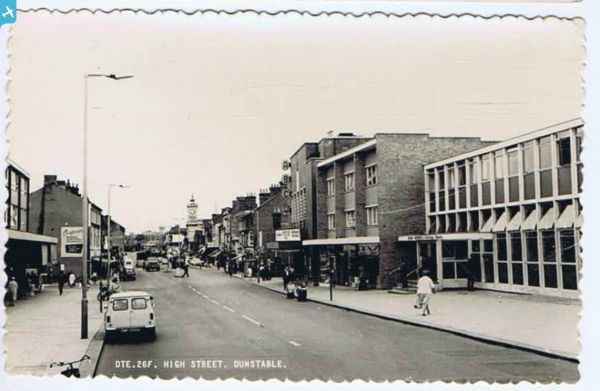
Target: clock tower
{"type": "Point", "coordinates": [192, 210]}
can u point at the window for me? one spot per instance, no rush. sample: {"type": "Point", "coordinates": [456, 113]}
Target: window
{"type": "Point", "coordinates": [139, 303]}
{"type": "Point", "coordinates": [499, 165]}
{"type": "Point", "coordinates": [501, 246]}
{"type": "Point", "coordinates": [371, 175]}
{"type": "Point", "coordinates": [462, 175]}
{"type": "Point", "coordinates": [372, 215]}
{"type": "Point", "coordinates": [513, 162]}
{"type": "Point", "coordinates": [567, 246]}
{"type": "Point", "coordinates": [549, 246]}
{"type": "Point", "coordinates": [331, 221]}
{"type": "Point", "coordinates": [473, 172]}
{"type": "Point", "coordinates": [120, 305]}
{"type": "Point", "coordinates": [485, 169]}
{"type": "Point", "coordinates": [451, 178]}
{"type": "Point", "coordinates": [349, 181]}
{"type": "Point", "coordinates": [545, 153]}
{"type": "Point", "coordinates": [563, 146]}
{"type": "Point", "coordinates": [330, 187]}
{"type": "Point", "coordinates": [350, 219]}
{"type": "Point", "coordinates": [528, 158]}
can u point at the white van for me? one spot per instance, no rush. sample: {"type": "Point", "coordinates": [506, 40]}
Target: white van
{"type": "Point", "coordinates": [130, 312]}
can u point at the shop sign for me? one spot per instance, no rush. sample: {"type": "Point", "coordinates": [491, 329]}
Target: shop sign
{"type": "Point", "coordinates": [368, 249]}
{"type": "Point", "coordinates": [287, 235]}
{"type": "Point", "coordinates": [71, 242]}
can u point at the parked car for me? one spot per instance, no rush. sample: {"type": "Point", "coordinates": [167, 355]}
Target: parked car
{"type": "Point", "coordinates": [140, 263]}
{"type": "Point", "coordinates": [152, 264]}
{"type": "Point", "coordinates": [130, 312]}
{"type": "Point", "coordinates": [128, 273]}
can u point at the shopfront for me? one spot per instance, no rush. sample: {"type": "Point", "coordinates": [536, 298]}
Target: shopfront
{"type": "Point", "coordinates": [347, 258]}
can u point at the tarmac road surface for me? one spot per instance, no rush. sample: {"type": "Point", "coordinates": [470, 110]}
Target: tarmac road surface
{"type": "Point", "coordinates": [213, 326]}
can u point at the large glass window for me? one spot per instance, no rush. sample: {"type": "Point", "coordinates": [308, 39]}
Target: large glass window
{"type": "Point", "coordinates": [567, 246]}
{"type": "Point", "coordinates": [513, 175]}
{"type": "Point", "coordinates": [499, 165]}
{"type": "Point", "coordinates": [563, 148]}
{"type": "Point", "coordinates": [548, 246]}
{"type": "Point", "coordinates": [532, 246]}
{"type": "Point", "coordinates": [545, 153]}
{"type": "Point", "coordinates": [330, 187]}
{"type": "Point", "coordinates": [515, 245]}
{"type": "Point", "coordinates": [502, 247]}
{"type": "Point", "coordinates": [485, 168]}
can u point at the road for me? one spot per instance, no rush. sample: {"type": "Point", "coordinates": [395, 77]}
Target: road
{"type": "Point", "coordinates": [213, 326]}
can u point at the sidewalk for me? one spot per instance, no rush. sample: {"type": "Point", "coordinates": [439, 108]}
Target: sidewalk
{"type": "Point", "coordinates": [47, 328]}
{"type": "Point", "coordinates": [541, 324]}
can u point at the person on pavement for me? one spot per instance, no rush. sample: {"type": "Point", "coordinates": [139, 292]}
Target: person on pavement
{"type": "Point", "coordinates": [186, 269]}
{"type": "Point", "coordinates": [114, 286]}
{"type": "Point", "coordinates": [13, 288]}
{"type": "Point", "coordinates": [61, 283]}
{"type": "Point", "coordinates": [425, 288]}
{"type": "Point", "coordinates": [71, 280]}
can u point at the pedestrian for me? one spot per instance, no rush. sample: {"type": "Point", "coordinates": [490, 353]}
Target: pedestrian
{"type": "Point", "coordinates": [71, 280]}
{"type": "Point", "coordinates": [470, 268]}
{"type": "Point", "coordinates": [61, 283]}
{"type": "Point", "coordinates": [286, 278]}
{"type": "Point", "coordinates": [13, 288]}
{"type": "Point", "coordinates": [403, 274]}
{"type": "Point", "coordinates": [230, 269]}
{"type": "Point", "coordinates": [29, 286]}
{"type": "Point", "coordinates": [186, 269]}
{"type": "Point", "coordinates": [425, 288]}
{"type": "Point", "coordinates": [362, 285]}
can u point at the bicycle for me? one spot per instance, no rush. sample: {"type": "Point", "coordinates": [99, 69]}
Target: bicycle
{"type": "Point", "coordinates": [71, 370]}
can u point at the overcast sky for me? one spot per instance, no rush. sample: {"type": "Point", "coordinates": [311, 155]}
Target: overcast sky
{"type": "Point", "coordinates": [218, 102]}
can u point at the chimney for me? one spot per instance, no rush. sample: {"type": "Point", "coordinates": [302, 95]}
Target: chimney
{"type": "Point", "coordinates": [49, 179]}
{"type": "Point", "coordinates": [263, 196]}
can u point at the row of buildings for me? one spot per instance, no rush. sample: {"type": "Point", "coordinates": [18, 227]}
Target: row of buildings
{"type": "Point", "coordinates": [44, 227]}
{"type": "Point", "coordinates": [505, 213]}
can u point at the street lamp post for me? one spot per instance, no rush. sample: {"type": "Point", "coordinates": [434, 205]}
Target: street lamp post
{"type": "Point", "coordinates": [85, 202]}
{"type": "Point", "coordinates": [108, 228]}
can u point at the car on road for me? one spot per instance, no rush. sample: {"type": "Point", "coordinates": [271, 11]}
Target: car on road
{"type": "Point", "coordinates": [128, 273]}
{"type": "Point", "coordinates": [140, 263]}
{"type": "Point", "coordinates": [152, 264]}
{"type": "Point", "coordinates": [129, 313]}
{"type": "Point", "coordinates": [164, 261]}
{"type": "Point", "coordinates": [128, 262]}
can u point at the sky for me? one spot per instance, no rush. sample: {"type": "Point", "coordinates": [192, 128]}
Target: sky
{"type": "Point", "coordinates": [217, 102]}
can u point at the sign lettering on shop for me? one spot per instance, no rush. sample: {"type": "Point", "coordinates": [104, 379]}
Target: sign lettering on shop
{"type": "Point", "coordinates": [287, 235]}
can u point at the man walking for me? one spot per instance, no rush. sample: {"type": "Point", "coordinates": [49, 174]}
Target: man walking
{"type": "Point", "coordinates": [186, 269]}
{"type": "Point", "coordinates": [425, 288]}
{"type": "Point", "coordinates": [61, 283]}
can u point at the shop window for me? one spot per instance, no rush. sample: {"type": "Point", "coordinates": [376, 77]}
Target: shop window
{"type": "Point", "coordinates": [488, 267]}
{"type": "Point", "coordinates": [531, 246]}
{"type": "Point", "coordinates": [516, 249]}
{"type": "Point", "coordinates": [567, 246]}
{"type": "Point", "coordinates": [533, 274]}
{"type": "Point", "coordinates": [550, 277]}
{"type": "Point", "coordinates": [548, 246]}
{"type": "Point", "coordinates": [569, 277]}
{"type": "Point", "coordinates": [502, 247]}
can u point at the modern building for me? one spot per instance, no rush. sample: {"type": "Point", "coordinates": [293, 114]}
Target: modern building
{"type": "Point", "coordinates": [513, 208]}
{"type": "Point", "coordinates": [369, 195]}
{"type": "Point", "coordinates": [25, 251]}
{"type": "Point", "coordinates": [56, 211]}
{"type": "Point", "coordinates": [303, 192]}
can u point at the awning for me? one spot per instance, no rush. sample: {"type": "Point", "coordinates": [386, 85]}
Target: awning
{"type": "Point", "coordinates": [547, 220]}
{"type": "Point", "coordinates": [500, 225]}
{"type": "Point", "coordinates": [20, 235]}
{"type": "Point", "coordinates": [237, 257]}
{"type": "Point", "coordinates": [515, 223]}
{"type": "Point", "coordinates": [530, 222]}
{"type": "Point", "coordinates": [567, 218]}
{"type": "Point", "coordinates": [579, 221]}
{"type": "Point", "coordinates": [487, 227]}
{"type": "Point", "coordinates": [341, 241]}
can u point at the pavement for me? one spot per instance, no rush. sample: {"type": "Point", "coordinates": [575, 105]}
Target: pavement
{"type": "Point", "coordinates": [213, 326]}
{"type": "Point", "coordinates": [536, 323]}
{"type": "Point", "coordinates": [47, 328]}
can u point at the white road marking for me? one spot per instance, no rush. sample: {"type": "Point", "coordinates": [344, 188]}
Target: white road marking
{"type": "Point", "coordinates": [228, 309]}
{"type": "Point", "coordinates": [296, 344]}
{"type": "Point", "coordinates": [251, 320]}
{"type": "Point", "coordinates": [216, 302]}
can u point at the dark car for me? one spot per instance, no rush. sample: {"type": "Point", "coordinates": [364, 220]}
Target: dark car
{"type": "Point", "coordinates": [128, 274]}
{"type": "Point", "coordinates": [152, 264]}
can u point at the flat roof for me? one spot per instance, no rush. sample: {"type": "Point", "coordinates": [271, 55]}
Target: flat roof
{"type": "Point", "coordinates": [574, 123]}
{"type": "Point", "coordinates": [361, 147]}
{"type": "Point", "coordinates": [11, 162]}
{"type": "Point", "coordinates": [28, 236]}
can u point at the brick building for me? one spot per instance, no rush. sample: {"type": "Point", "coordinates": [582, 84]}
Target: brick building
{"type": "Point", "coordinates": [303, 191]}
{"type": "Point", "coordinates": [240, 207]}
{"type": "Point", "coordinates": [512, 209]}
{"type": "Point", "coordinates": [58, 204]}
{"type": "Point", "coordinates": [369, 195]}
{"type": "Point", "coordinates": [117, 235]}
{"type": "Point", "coordinates": [271, 215]}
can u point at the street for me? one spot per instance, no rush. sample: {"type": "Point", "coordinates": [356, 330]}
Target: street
{"type": "Point", "coordinates": [214, 326]}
